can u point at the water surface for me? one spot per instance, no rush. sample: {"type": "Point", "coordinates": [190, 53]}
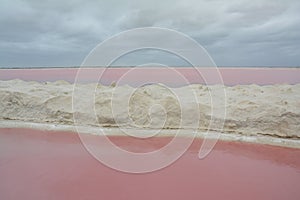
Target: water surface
{"type": "Point", "coordinates": [54, 165]}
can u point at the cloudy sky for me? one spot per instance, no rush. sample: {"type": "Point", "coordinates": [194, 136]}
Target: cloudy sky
{"type": "Point", "coordinates": [234, 32]}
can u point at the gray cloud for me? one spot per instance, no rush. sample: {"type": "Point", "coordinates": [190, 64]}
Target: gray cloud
{"type": "Point", "coordinates": [235, 33]}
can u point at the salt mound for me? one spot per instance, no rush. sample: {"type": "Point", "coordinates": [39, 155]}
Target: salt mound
{"type": "Point", "coordinates": [251, 109]}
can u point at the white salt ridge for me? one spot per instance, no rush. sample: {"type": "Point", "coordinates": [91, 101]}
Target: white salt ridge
{"type": "Point", "coordinates": [272, 110]}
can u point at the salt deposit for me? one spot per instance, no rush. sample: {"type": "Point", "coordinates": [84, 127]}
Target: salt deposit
{"type": "Point", "coordinates": [250, 109]}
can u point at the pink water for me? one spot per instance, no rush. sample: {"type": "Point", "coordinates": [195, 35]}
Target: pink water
{"type": "Point", "coordinates": [230, 76]}
{"type": "Point", "coordinates": [54, 165]}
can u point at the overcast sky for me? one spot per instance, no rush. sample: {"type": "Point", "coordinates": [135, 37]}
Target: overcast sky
{"type": "Point", "coordinates": [234, 32]}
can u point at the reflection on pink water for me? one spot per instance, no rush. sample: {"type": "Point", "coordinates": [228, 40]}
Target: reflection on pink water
{"type": "Point", "coordinates": [231, 76]}
{"type": "Point", "coordinates": [54, 165]}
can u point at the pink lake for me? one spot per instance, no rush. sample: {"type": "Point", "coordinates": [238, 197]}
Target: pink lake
{"type": "Point", "coordinates": [55, 165]}
{"type": "Point", "coordinates": [230, 76]}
